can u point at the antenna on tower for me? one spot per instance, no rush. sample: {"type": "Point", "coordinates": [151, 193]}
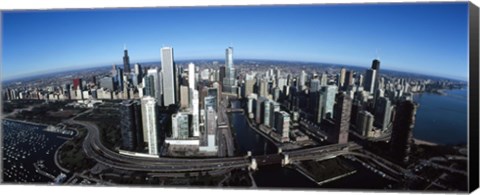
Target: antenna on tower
{"type": "Point", "coordinates": [124, 46]}
{"type": "Point", "coordinates": [376, 53]}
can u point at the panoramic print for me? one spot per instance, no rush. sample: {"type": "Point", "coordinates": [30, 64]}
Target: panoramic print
{"type": "Point", "coordinates": [367, 96]}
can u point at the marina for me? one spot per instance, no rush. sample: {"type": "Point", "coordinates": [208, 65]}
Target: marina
{"type": "Point", "coordinates": [29, 151]}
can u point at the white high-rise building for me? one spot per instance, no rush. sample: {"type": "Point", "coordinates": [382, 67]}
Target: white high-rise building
{"type": "Point", "coordinates": [169, 76]}
{"type": "Point", "coordinates": [138, 70]}
{"type": "Point", "coordinates": [191, 76]}
{"type": "Point", "coordinates": [323, 79]}
{"type": "Point", "coordinates": [341, 80]}
{"type": "Point", "coordinates": [369, 83]}
{"type": "Point", "coordinates": [329, 99]}
{"type": "Point", "coordinates": [149, 120]}
{"type": "Point", "coordinates": [195, 113]}
{"type": "Point", "coordinates": [303, 79]}
{"type": "Point", "coordinates": [194, 100]}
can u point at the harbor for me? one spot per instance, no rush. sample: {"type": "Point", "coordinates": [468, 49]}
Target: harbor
{"type": "Point", "coordinates": [29, 150]}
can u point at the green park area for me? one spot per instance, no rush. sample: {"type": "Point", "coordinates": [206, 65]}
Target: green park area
{"type": "Point", "coordinates": [39, 111]}
{"type": "Point", "coordinates": [71, 155]}
{"type": "Point", "coordinates": [107, 118]}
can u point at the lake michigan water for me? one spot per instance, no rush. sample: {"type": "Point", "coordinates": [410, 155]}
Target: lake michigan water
{"type": "Point", "coordinates": [442, 119]}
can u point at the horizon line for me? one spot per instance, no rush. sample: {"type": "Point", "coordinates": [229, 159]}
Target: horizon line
{"type": "Point", "coordinates": [64, 69]}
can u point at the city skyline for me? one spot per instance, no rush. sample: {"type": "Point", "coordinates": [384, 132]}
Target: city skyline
{"type": "Point", "coordinates": [437, 43]}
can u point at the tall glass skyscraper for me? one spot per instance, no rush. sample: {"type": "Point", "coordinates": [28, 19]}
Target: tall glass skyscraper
{"type": "Point", "coordinates": [229, 80]}
{"type": "Point", "coordinates": [329, 92]}
{"type": "Point", "coordinates": [153, 85]}
{"type": "Point", "coordinates": [169, 76]}
{"type": "Point", "coordinates": [131, 125]}
{"type": "Point", "coordinates": [126, 61]}
{"type": "Point", "coordinates": [371, 78]}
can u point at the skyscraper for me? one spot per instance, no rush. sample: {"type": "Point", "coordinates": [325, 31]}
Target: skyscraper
{"type": "Point", "coordinates": [323, 79]}
{"type": "Point", "coordinates": [131, 125]}
{"type": "Point", "coordinates": [229, 57]}
{"type": "Point", "coordinates": [229, 80]}
{"type": "Point", "coordinates": [303, 79]}
{"type": "Point", "coordinates": [341, 79]}
{"type": "Point", "coordinates": [382, 113]}
{"type": "Point", "coordinates": [149, 86]}
{"type": "Point", "coordinates": [138, 73]}
{"type": "Point", "coordinates": [342, 118]}
{"type": "Point", "coordinates": [376, 65]}
{"type": "Point", "coordinates": [184, 93]}
{"type": "Point", "coordinates": [402, 131]}
{"type": "Point", "coordinates": [263, 88]}
{"type": "Point", "coordinates": [259, 112]}
{"type": "Point", "coordinates": [319, 107]}
{"type": "Point", "coordinates": [169, 76]}
{"type": "Point", "coordinates": [364, 122]}
{"type": "Point", "coordinates": [149, 120]}
{"type": "Point", "coordinates": [369, 83]}
{"type": "Point", "coordinates": [119, 79]}
{"type": "Point", "coordinates": [274, 107]}
{"type": "Point", "coordinates": [314, 85]}
{"type": "Point", "coordinates": [211, 130]}
{"type": "Point", "coordinates": [126, 61]}
{"type": "Point", "coordinates": [329, 92]}
{"type": "Point", "coordinates": [249, 84]}
{"type": "Point", "coordinates": [77, 84]}
{"type": "Point", "coordinates": [180, 125]}
{"type": "Point", "coordinates": [222, 74]}
{"type": "Point", "coordinates": [282, 125]}
{"type": "Point", "coordinates": [157, 89]}
{"type": "Point", "coordinates": [195, 113]}
{"type": "Point", "coordinates": [348, 80]}
{"type": "Point", "coordinates": [372, 77]}
{"type": "Point", "coordinates": [191, 76]}
{"type": "Point", "coordinates": [193, 99]}
{"type": "Point", "coordinates": [266, 112]}
{"type": "Point", "coordinates": [107, 83]}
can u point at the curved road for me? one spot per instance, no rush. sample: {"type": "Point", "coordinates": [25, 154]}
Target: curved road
{"type": "Point", "coordinates": [95, 149]}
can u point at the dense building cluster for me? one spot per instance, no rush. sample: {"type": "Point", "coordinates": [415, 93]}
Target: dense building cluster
{"type": "Point", "coordinates": [170, 97]}
{"type": "Point", "coordinates": [368, 104]}
{"type": "Point", "coordinates": [176, 107]}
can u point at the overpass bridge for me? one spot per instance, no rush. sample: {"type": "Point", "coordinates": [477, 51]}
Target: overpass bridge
{"type": "Point", "coordinates": [96, 150]}
{"type": "Point", "coordinates": [234, 110]}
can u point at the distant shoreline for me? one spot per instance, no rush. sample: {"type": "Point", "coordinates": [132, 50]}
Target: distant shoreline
{"type": "Point", "coordinates": [423, 142]}
{"type": "Point", "coordinates": [28, 76]}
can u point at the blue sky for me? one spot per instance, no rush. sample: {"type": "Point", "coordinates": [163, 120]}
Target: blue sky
{"type": "Point", "coordinates": [423, 38]}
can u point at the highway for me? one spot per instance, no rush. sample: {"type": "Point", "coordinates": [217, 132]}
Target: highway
{"type": "Point", "coordinates": [95, 141]}
{"type": "Point", "coordinates": [96, 150]}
